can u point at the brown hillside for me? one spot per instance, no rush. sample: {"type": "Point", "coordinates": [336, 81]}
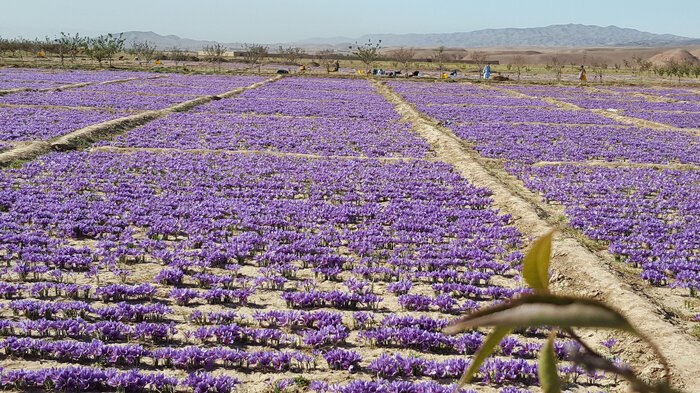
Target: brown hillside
{"type": "Point", "coordinates": [677, 55]}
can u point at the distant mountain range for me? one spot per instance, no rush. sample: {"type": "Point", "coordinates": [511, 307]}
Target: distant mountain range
{"type": "Point", "coordinates": [571, 35]}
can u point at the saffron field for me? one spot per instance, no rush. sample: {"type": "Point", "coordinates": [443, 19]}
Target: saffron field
{"type": "Point", "coordinates": [303, 236]}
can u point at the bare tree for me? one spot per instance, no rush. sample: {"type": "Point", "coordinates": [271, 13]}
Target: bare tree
{"type": "Point", "coordinates": [177, 55]}
{"type": "Point", "coordinates": [478, 57]}
{"type": "Point", "coordinates": [404, 56]}
{"type": "Point", "coordinates": [598, 66]}
{"type": "Point", "coordinates": [145, 51]}
{"type": "Point", "coordinates": [329, 59]}
{"type": "Point", "coordinates": [291, 55]}
{"type": "Point", "coordinates": [325, 55]}
{"type": "Point", "coordinates": [368, 53]}
{"type": "Point", "coordinates": [254, 54]}
{"type": "Point", "coordinates": [518, 62]}
{"type": "Point", "coordinates": [215, 53]}
{"type": "Point", "coordinates": [440, 57]}
{"type": "Point", "coordinates": [556, 65]}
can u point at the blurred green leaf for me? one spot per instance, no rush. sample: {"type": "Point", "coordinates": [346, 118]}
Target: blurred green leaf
{"type": "Point", "coordinates": [536, 263]}
{"type": "Point", "coordinates": [484, 351]}
{"type": "Point", "coordinates": [547, 367]}
{"type": "Point", "coordinates": [544, 310]}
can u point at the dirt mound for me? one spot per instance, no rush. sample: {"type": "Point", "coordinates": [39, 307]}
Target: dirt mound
{"type": "Point", "coordinates": [677, 55]}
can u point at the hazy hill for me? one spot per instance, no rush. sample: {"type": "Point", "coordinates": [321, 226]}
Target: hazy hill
{"type": "Point", "coordinates": [571, 35]}
{"type": "Point", "coordinates": [165, 42]}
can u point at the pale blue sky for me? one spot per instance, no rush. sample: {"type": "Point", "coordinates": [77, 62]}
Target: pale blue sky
{"type": "Point", "coordinates": [272, 21]}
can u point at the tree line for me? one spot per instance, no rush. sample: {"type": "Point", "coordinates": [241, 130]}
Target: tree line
{"type": "Point", "coordinates": [105, 47]}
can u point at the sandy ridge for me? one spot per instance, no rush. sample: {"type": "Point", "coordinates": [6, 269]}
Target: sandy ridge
{"type": "Point", "coordinates": [608, 164]}
{"type": "Point", "coordinates": [576, 268]}
{"type": "Point", "coordinates": [125, 150]}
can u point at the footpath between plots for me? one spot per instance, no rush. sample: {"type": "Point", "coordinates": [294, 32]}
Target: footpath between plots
{"type": "Point", "coordinates": [86, 135]}
{"type": "Point", "coordinates": [116, 149]}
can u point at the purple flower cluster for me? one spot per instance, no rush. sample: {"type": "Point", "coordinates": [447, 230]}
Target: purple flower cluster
{"type": "Point", "coordinates": [178, 84]}
{"type": "Point", "coordinates": [339, 359]}
{"type": "Point", "coordinates": [36, 123]}
{"type": "Point", "coordinates": [38, 78]}
{"type": "Point", "coordinates": [79, 379]}
{"type": "Point", "coordinates": [385, 386]}
{"type": "Point", "coordinates": [421, 339]}
{"type": "Point", "coordinates": [342, 128]}
{"type": "Point", "coordinates": [335, 298]}
{"type": "Point", "coordinates": [492, 371]}
{"type": "Point", "coordinates": [204, 382]}
{"type": "Point", "coordinates": [83, 98]}
{"type": "Point", "coordinates": [645, 214]}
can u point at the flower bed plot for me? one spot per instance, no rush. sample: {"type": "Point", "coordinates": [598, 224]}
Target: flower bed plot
{"type": "Point", "coordinates": [650, 218]}
{"type": "Point", "coordinates": [179, 85]}
{"type": "Point", "coordinates": [327, 136]}
{"type": "Point", "coordinates": [183, 264]}
{"type": "Point", "coordinates": [38, 78]}
{"type": "Point", "coordinates": [33, 123]}
{"type": "Point", "coordinates": [82, 98]}
{"type": "Point", "coordinates": [317, 98]}
{"type": "Point", "coordinates": [529, 143]}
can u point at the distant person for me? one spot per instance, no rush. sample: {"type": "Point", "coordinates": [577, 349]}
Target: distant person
{"type": "Point", "coordinates": [582, 74]}
{"type": "Point", "coordinates": [487, 71]}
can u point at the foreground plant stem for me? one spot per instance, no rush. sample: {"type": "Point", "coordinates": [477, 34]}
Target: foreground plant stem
{"type": "Point", "coordinates": [594, 361]}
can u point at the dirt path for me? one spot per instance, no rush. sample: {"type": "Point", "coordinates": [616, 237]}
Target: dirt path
{"type": "Point", "coordinates": [265, 152]}
{"type": "Point", "coordinates": [107, 129]}
{"type": "Point", "coordinates": [608, 164]}
{"type": "Point", "coordinates": [575, 268]}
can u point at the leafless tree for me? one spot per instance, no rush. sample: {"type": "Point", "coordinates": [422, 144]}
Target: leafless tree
{"type": "Point", "coordinates": [478, 57]}
{"type": "Point", "coordinates": [177, 55]}
{"type": "Point", "coordinates": [404, 56]}
{"type": "Point", "coordinates": [254, 54]}
{"type": "Point", "coordinates": [440, 57]}
{"type": "Point", "coordinates": [368, 52]}
{"type": "Point", "coordinates": [598, 66]}
{"type": "Point", "coordinates": [215, 53]}
{"type": "Point", "coordinates": [144, 50]}
{"type": "Point", "coordinates": [290, 54]}
{"type": "Point", "coordinates": [557, 66]}
{"type": "Point", "coordinates": [328, 58]}
{"type": "Point", "coordinates": [519, 62]}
